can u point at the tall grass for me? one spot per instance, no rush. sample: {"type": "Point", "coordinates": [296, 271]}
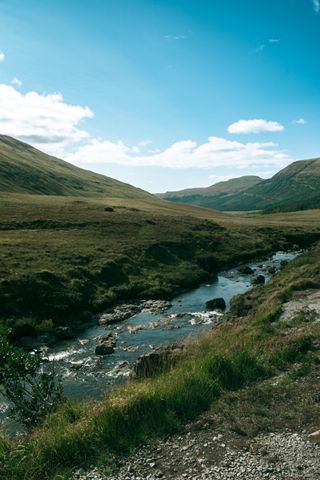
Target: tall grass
{"type": "Point", "coordinates": [230, 357]}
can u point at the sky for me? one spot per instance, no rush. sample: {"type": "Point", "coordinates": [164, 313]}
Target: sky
{"type": "Point", "coordinates": [163, 94]}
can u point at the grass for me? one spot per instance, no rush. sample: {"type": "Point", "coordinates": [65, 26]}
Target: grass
{"type": "Point", "coordinates": [24, 169]}
{"type": "Point", "coordinates": [242, 352]}
{"type": "Point", "coordinates": [293, 188]}
{"type": "Point", "coordinates": [65, 258]}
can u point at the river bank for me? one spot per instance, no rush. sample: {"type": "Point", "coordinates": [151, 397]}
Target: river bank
{"type": "Point", "coordinates": [225, 369]}
{"type": "Point", "coordinates": [132, 331]}
{"type": "Point", "coordinates": [266, 431]}
{"type": "Point", "coordinates": [83, 259]}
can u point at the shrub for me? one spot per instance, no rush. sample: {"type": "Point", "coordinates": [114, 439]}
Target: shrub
{"type": "Point", "coordinates": [32, 392]}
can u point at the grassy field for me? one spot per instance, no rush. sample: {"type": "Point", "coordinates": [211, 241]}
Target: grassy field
{"type": "Point", "coordinates": [64, 258]}
{"type": "Point", "coordinates": [228, 366]}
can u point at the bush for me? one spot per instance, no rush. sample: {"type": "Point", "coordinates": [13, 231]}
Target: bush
{"type": "Point", "coordinates": [32, 392]}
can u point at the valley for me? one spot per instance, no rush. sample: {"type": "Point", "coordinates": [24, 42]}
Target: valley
{"type": "Point", "coordinates": [159, 240]}
{"type": "Point", "coordinates": [71, 263]}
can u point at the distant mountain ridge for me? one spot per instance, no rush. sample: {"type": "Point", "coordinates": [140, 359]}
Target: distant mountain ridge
{"type": "Point", "coordinates": [24, 169]}
{"type": "Point", "coordinates": [296, 187]}
{"type": "Point", "coordinates": [234, 185]}
{"type": "Point", "coordinates": [213, 195]}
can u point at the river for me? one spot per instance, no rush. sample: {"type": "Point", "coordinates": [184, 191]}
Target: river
{"type": "Point", "coordinates": [86, 375]}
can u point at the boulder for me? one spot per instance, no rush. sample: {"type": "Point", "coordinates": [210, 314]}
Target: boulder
{"type": "Point", "coordinates": [271, 270]}
{"type": "Point", "coordinates": [157, 361]}
{"type": "Point", "coordinates": [104, 349]}
{"type": "Point", "coordinates": [258, 280]}
{"type": "Point", "coordinates": [245, 270]}
{"type": "Point", "coordinates": [216, 304]}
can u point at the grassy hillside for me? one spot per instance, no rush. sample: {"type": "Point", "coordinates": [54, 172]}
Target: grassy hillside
{"type": "Point", "coordinates": [295, 184]}
{"type": "Point", "coordinates": [256, 372]}
{"type": "Point", "coordinates": [307, 203]}
{"type": "Point", "coordinates": [296, 187]}
{"type": "Point", "coordinates": [234, 185]}
{"type": "Point", "coordinates": [63, 258]}
{"type": "Point", "coordinates": [24, 169]}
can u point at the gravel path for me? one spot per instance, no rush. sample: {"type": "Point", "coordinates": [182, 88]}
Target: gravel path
{"type": "Point", "coordinates": [200, 455]}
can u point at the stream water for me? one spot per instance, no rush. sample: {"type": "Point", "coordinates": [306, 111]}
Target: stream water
{"type": "Point", "coordinates": [86, 375]}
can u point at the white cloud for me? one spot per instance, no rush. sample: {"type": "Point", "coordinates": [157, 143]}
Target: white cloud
{"type": "Point", "coordinates": [49, 123]}
{"type": "Point", "coordinates": [216, 152]}
{"type": "Point", "coordinates": [175, 37]}
{"type": "Point", "coordinates": [255, 126]}
{"type": "Point", "coordinates": [45, 121]}
{"type": "Point", "coordinates": [15, 81]}
{"type": "Point", "coordinates": [300, 121]}
{"type": "Point", "coordinates": [2, 56]}
{"type": "Point", "coordinates": [316, 5]}
{"type": "Point", "coordinates": [260, 48]}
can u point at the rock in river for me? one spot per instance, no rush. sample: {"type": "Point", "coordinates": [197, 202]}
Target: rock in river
{"type": "Point", "coordinates": [106, 347]}
{"type": "Point", "coordinates": [245, 270]}
{"type": "Point", "coordinates": [216, 304]}
{"type": "Point", "coordinates": [258, 280]}
{"type": "Point", "coordinates": [120, 313]}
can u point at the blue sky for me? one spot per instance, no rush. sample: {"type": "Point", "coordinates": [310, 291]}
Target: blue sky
{"type": "Point", "coordinates": [163, 94]}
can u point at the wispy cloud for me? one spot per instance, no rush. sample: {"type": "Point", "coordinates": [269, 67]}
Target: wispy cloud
{"type": "Point", "coordinates": [316, 5]}
{"type": "Point", "coordinates": [2, 56]}
{"type": "Point", "coordinates": [254, 126]}
{"type": "Point", "coordinates": [175, 38]}
{"type": "Point", "coordinates": [300, 121]}
{"type": "Point", "coordinates": [260, 48]}
{"type": "Point", "coordinates": [15, 81]}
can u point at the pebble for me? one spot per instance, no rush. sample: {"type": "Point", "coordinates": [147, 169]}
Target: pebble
{"type": "Point", "coordinates": [276, 456]}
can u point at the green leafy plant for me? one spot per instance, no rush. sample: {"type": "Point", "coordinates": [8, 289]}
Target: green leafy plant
{"type": "Point", "coordinates": [32, 391]}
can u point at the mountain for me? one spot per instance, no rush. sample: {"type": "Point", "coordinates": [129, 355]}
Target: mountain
{"type": "Point", "coordinates": [296, 187]}
{"type": "Point", "coordinates": [24, 169]}
{"type": "Point", "coordinates": [215, 194]}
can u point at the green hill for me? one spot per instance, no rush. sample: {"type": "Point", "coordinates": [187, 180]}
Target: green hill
{"type": "Point", "coordinates": [296, 187]}
{"type": "Point", "coordinates": [24, 169]}
{"type": "Point", "coordinates": [293, 188]}
{"type": "Point", "coordinates": [218, 191]}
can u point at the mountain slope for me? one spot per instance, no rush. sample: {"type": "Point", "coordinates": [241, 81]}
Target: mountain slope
{"type": "Point", "coordinates": [210, 196]}
{"type": "Point", "coordinates": [24, 169]}
{"type": "Point", "coordinates": [296, 187]}
{"type": "Point", "coordinates": [291, 188]}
